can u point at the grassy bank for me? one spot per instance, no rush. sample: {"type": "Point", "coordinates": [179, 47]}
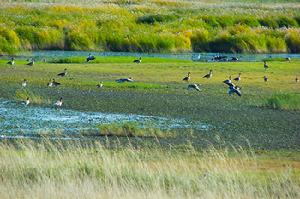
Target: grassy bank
{"type": "Point", "coordinates": [74, 170]}
{"type": "Point", "coordinates": [151, 26]}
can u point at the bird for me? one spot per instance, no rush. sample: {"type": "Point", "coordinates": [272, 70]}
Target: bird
{"type": "Point", "coordinates": [62, 74]}
{"type": "Point", "coordinates": [238, 78]}
{"type": "Point", "coordinates": [234, 89]}
{"type": "Point", "coordinates": [11, 61]}
{"type": "Point", "coordinates": [138, 61]}
{"type": "Point", "coordinates": [288, 59]}
{"type": "Point", "coordinates": [266, 78]}
{"type": "Point", "coordinates": [27, 101]}
{"type": "Point", "coordinates": [59, 102]}
{"type": "Point", "coordinates": [194, 86]}
{"type": "Point", "coordinates": [187, 78]}
{"type": "Point", "coordinates": [296, 79]}
{"type": "Point", "coordinates": [228, 80]}
{"type": "Point", "coordinates": [129, 79]}
{"type": "Point", "coordinates": [209, 75]}
{"type": "Point", "coordinates": [90, 58]}
{"type": "Point", "coordinates": [53, 83]}
{"type": "Point", "coordinates": [266, 65]}
{"type": "Point", "coordinates": [24, 83]}
{"type": "Point", "coordinates": [100, 85]}
{"type": "Point", "coordinates": [30, 63]}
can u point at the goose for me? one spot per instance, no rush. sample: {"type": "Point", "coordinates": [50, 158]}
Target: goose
{"type": "Point", "coordinates": [24, 83]}
{"type": "Point", "coordinates": [124, 80]}
{"type": "Point", "coordinates": [138, 61]}
{"type": "Point", "coordinates": [266, 65]}
{"type": "Point", "coordinates": [227, 81]}
{"type": "Point", "coordinates": [100, 85]}
{"type": "Point", "coordinates": [27, 101]}
{"type": "Point", "coordinates": [194, 86]}
{"type": "Point", "coordinates": [31, 63]}
{"type": "Point", "coordinates": [238, 78]}
{"type": "Point", "coordinates": [90, 58]}
{"type": "Point", "coordinates": [209, 75]}
{"type": "Point", "coordinates": [234, 89]}
{"type": "Point", "coordinates": [296, 79]}
{"type": "Point", "coordinates": [59, 102]}
{"type": "Point", "coordinates": [11, 61]}
{"type": "Point", "coordinates": [63, 73]}
{"type": "Point", "coordinates": [266, 78]}
{"type": "Point", "coordinates": [187, 78]}
{"type": "Point", "coordinates": [53, 83]}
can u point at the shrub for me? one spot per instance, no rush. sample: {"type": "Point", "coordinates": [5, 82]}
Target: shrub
{"type": "Point", "coordinates": [211, 21]}
{"type": "Point", "coordinates": [9, 41]}
{"type": "Point", "coordinates": [293, 41]}
{"type": "Point", "coordinates": [200, 41]}
{"type": "Point", "coordinates": [284, 101]}
{"type": "Point", "coordinates": [78, 40]}
{"type": "Point", "coordinates": [286, 22]}
{"type": "Point", "coordinates": [268, 22]}
{"type": "Point", "coordinates": [248, 21]}
{"type": "Point", "coordinates": [151, 19]}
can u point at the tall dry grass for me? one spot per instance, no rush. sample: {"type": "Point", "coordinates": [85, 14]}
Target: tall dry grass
{"type": "Point", "coordinates": [72, 170]}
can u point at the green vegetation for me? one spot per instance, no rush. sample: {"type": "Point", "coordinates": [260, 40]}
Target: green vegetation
{"type": "Point", "coordinates": [284, 101]}
{"type": "Point", "coordinates": [151, 26]}
{"type": "Point", "coordinates": [72, 169]}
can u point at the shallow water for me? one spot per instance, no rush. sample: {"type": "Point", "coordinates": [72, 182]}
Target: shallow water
{"type": "Point", "coordinates": [17, 120]}
{"type": "Point", "coordinates": [54, 54]}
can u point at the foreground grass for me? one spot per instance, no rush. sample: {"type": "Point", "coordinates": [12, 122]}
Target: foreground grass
{"type": "Point", "coordinates": [72, 169]}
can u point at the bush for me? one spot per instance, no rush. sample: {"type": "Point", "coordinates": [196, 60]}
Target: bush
{"type": "Point", "coordinates": [284, 101]}
{"type": "Point", "coordinates": [78, 40]}
{"type": "Point", "coordinates": [286, 22]}
{"type": "Point", "coordinates": [151, 19]}
{"type": "Point", "coordinates": [248, 21]}
{"type": "Point", "coordinates": [200, 41]}
{"type": "Point", "coordinates": [9, 41]}
{"type": "Point", "coordinates": [293, 41]}
{"type": "Point", "coordinates": [268, 22]}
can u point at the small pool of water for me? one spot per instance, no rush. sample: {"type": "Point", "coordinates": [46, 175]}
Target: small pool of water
{"type": "Point", "coordinates": [18, 120]}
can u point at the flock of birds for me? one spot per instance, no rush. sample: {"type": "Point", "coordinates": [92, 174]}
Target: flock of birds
{"type": "Point", "coordinates": [232, 88]}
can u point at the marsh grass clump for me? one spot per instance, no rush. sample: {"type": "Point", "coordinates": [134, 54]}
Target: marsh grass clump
{"type": "Point", "coordinates": [284, 101]}
{"type": "Point", "coordinates": [22, 94]}
{"type": "Point", "coordinates": [132, 129]}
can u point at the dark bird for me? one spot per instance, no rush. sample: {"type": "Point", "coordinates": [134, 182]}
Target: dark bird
{"type": "Point", "coordinates": [266, 78]}
{"type": "Point", "coordinates": [234, 89]}
{"type": "Point", "coordinates": [288, 59]}
{"type": "Point", "coordinates": [59, 102]}
{"type": "Point", "coordinates": [209, 75]}
{"type": "Point", "coordinates": [187, 78]}
{"type": "Point", "coordinates": [30, 63]}
{"type": "Point", "coordinates": [124, 80]}
{"type": "Point", "coordinates": [194, 86]}
{"type": "Point", "coordinates": [90, 58]}
{"type": "Point", "coordinates": [227, 81]}
{"type": "Point", "coordinates": [11, 61]}
{"type": "Point", "coordinates": [63, 73]}
{"type": "Point", "coordinates": [24, 83]}
{"type": "Point", "coordinates": [238, 78]}
{"type": "Point", "coordinates": [138, 61]}
{"type": "Point", "coordinates": [296, 79]}
{"type": "Point", "coordinates": [53, 83]}
{"type": "Point", "coordinates": [100, 85]}
{"type": "Point", "coordinates": [266, 65]}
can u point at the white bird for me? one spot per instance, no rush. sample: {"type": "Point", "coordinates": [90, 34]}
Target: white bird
{"type": "Point", "coordinates": [122, 80]}
{"type": "Point", "coordinates": [27, 101]}
{"type": "Point", "coordinates": [194, 86]}
{"type": "Point", "coordinates": [59, 102]}
{"type": "Point", "coordinates": [24, 83]}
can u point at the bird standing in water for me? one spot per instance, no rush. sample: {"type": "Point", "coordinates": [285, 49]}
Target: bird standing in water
{"type": "Point", "coordinates": [59, 102]}
{"type": "Point", "coordinates": [27, 101]}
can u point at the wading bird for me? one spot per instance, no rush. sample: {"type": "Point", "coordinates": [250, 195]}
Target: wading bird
{"type": "Point", "coordinates": [265, 65]}
{"type": "Point", "coordinates": [31, 62]}
{"type": "Point", "coordinates": [62, 74]}
{"type": "Point", "coordinates": [24, 83]}
{"type": "Point", "coordinates": [138, 61]}
{"type": "Point", "coordinates": [194, 86]}
{"type": "Point", "coordinates": [266, 78]}
{"type": "Point", "coordinates": [238, 78]}
{"type": "Point", "coordinates": [209, 75]}
{"type": "Point", "coordinates": [59, 102]}
{"type": "Point", "coordinates": [27, 101]}
{"type": "Point", "coordinates": [187, 78]}
{"type": "Point", "coordinates": [11, 61]}
{"type": "Point", "coordinates": [90, 58]}
{"type": "Point", "coordinates": [129, 79]}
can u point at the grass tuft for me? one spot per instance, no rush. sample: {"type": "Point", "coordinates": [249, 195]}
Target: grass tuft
{"type": "Point", "coordinates": [284, 102]}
